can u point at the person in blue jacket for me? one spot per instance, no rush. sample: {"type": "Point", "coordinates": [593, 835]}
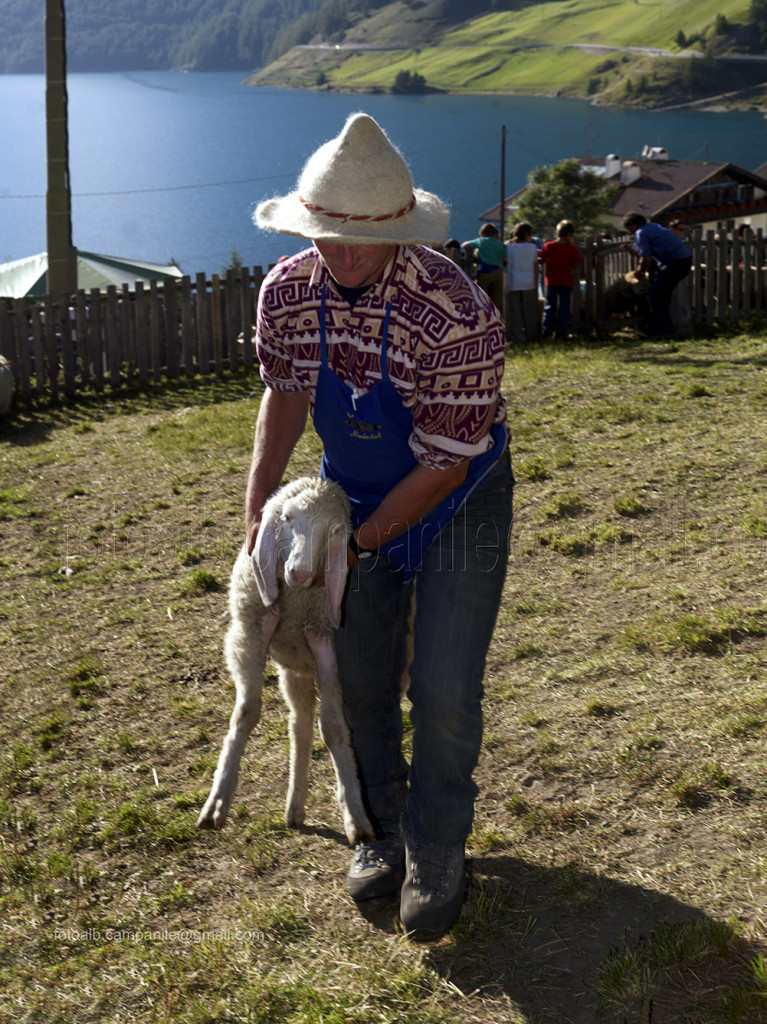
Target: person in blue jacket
{"type": "Point", "coordinates": [666, 256]}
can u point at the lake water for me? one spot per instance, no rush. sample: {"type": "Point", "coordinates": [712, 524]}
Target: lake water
{"type": "Point", "coordinates": [169, 166]}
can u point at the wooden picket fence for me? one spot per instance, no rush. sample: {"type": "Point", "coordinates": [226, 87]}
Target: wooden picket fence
{"type": "Point", "coordinates": [728, 281]}
{"type": "Point", "coordinates": [174, 328]}
{"type": "Point", "coordinates": [182, 328]}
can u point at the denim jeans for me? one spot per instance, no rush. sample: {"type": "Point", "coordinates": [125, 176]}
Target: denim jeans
{"type": "Point", "coordinates": [663, 284]}
{"type": "Point", "coordinates": [457, 592]}
{"type": "Point", "coordinates": [556, 312]}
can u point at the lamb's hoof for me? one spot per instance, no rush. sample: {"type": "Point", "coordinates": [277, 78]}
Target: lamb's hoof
{"type": "Point", "coordinates": [357, 834]}
{"type": "Point", "coordinates": [212, 816]}
{"type": "Point", "coordinates": [295, 819]}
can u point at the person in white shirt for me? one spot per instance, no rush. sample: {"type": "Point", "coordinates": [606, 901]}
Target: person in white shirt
{"type": "Point", "coordinates": [523, 321]}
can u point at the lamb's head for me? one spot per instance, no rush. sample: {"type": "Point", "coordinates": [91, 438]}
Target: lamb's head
{"type": "Point", "coordinates": [304, 532]}
{"type": "Point", "coordinates": [309, 531]}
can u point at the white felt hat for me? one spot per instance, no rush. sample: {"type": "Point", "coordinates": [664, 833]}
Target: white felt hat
{"type": "Point", "coordinates": [358, 190]}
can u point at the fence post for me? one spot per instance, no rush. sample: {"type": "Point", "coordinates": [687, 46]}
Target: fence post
{"type": "Point", "coordinates": [81, 337]}
{"type": "Point", "coordinates": [233, 315]}
{"type": "Point", "coordinates": [203, 324]}
{"type": "Point", "coordinates": [723, 278]}
{"type": "Point", "coordinates": [711, 274]}
{"type": "Point", "coordinates": [18, 346]}
{"type": "Point", "coordinates": [65, 333]}
{"type": "Point", "coordinates": [735, 278]}
{"type": "Point", "coordinates": [114, 353]}
{"type": "Point", "coordinates": [51, 348]}
{"type": "Point", "coordinates": [748, 273]}
{"type": "Point", "coordinates": [97, 334]}
{"type": "Point", "coordinates": [8, 348]}
{"type": "Point", "coordinates": [155, 330]}
{"type": "Point", "coordinates": [171, 327]}
{"type": "Point", "coordinates": [215, 306]}
{"type": "Point", "coordinates": [187, 326]}
{"type": "Point", "coordinates": [142, 335]}
{"type": "Point", "coordinates": [246, 316]}
{"type": "Point", "coordinates": [128, 328]}
{"type": "Point", "coordinates": [589, 269]}
{"type": "Point", "coordinates": [760, 272]}
{"type": "Point", "coordinates": [697, 276]}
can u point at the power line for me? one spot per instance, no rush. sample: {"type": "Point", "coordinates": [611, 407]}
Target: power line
{"type": "Point", "coordinates": [162, 188]}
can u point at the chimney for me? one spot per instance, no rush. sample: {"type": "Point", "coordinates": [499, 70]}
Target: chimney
{"type": "Point", "coordinates": [630, 172]}
{"type": "Point", "coordinates": [612, 165]}
{"type": "Point", "coordinates": [655, 153]}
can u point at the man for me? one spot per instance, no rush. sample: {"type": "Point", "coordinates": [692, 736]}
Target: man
{"type": "Point", "coordinates": [664, 252]}
{"type": "Point", "coordinates": [399, 358]}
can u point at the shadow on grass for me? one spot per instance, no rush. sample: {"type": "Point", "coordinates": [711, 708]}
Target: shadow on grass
{"type": "Point", "coordinates": [570, 947]}
{"type": "Point", "coordinates": [34, 423]}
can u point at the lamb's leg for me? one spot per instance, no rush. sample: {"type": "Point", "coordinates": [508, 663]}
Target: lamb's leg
{"type": "Point", "coordinates": [298, 691]}
{"type": "Point", "coordinates": [335, 736]}
{"type": "Point", "coordinates": [246, 656]}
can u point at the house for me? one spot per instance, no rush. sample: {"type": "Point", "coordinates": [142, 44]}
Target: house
{"type": "Point", "coordinates": [700, 193]}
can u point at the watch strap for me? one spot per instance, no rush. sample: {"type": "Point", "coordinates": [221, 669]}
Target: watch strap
{"type": "Point", "coordinates": [358, 551]}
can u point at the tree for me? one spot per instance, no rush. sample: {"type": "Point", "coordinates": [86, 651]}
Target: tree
{"type": "Point", "coordinates": [757, 13]}
{"type": "Point", "coordinates": [566, 191]}
{"type": "Point", "coordinates": [235, 262]}
{"type": "Point", "coordinates": [409, 81]}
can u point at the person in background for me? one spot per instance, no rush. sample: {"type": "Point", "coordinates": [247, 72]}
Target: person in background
{"type": "Point", "coordinates": [523, 317]}
{"type": "Point", "coordinates": [455, 252]}
{"type": "Point", "coordinates": [491, 259]}
{"type": "Point", "coordinates": [559, 259]}
{"type": "Point", "coordinates": [666, 257]}
{"type": "Point", "coordinates": [398, 357]}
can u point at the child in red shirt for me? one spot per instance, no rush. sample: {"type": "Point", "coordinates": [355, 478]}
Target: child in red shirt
{"type": "Point", "coordinates": [559, 259]}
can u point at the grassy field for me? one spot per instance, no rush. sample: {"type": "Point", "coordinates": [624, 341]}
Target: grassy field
{"type": "Point", "coordinates": [619, 857]}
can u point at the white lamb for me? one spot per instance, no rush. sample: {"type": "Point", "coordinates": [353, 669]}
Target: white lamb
{"type": "Point", "coordinates": [275, 610]}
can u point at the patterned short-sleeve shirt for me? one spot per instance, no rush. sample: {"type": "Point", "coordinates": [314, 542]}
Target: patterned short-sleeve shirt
{"type": "Point", "coordinates": [445, 345]}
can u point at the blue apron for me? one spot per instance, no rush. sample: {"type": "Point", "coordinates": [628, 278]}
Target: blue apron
{"type": "Point", "coordinates": [366, 450]}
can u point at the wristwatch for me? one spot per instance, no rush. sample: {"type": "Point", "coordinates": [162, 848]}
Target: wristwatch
{"type": "Point", "coordinates": [361, 553]}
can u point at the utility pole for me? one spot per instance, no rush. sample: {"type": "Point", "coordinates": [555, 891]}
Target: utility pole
{"type": "Point", "coordinates": [503, 181]}
{"type": "Point", "coordinates": [62, 260]}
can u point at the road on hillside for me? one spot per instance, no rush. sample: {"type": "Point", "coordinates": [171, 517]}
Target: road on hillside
{"type": "Point", "coordinates": [593, 48]}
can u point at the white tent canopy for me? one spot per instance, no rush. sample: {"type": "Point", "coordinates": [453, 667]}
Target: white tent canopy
{"type": "Point", "coordinates": [28, 276]}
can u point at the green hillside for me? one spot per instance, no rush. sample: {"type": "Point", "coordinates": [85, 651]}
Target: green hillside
{"type": "Point", "coordinates": [557, 47]}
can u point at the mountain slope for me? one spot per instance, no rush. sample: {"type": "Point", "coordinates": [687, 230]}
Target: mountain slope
{"type": "Point", "coordinates": [614, 51]}
{"type": "Point", "coordinates": [155, 34]}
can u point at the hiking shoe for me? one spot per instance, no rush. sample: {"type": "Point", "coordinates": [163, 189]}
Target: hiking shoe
{"type": "Point", "coordinates": [377, 870]}
{"type": "Point", "coordinates": [433, 891]}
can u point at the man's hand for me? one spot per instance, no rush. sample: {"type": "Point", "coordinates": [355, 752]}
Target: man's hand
{"type": "Point", "coordinates": [251, 533]}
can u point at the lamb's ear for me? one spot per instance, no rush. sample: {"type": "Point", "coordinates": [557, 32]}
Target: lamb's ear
{"type": "Point", "coordinates": [264, 560]}
{"type": "Point", "coordinates": [335, 572]}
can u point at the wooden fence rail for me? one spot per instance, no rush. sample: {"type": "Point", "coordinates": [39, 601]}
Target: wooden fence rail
{"type": "Point", "coordinates": [728, 282]}
{"type": "Point", "coordinates": [181, 328]}
{"type": "Point", "coordinates": [170, 329]}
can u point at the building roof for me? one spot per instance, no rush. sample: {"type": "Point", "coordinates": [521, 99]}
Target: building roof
{"type": "Point", "coordinates": [28, 276]}
{"type": "Point", "coordinates": [660, 183]}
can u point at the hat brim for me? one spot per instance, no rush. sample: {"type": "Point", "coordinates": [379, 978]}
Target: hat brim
{"type": "Point", "coordinates": [426, 222]}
